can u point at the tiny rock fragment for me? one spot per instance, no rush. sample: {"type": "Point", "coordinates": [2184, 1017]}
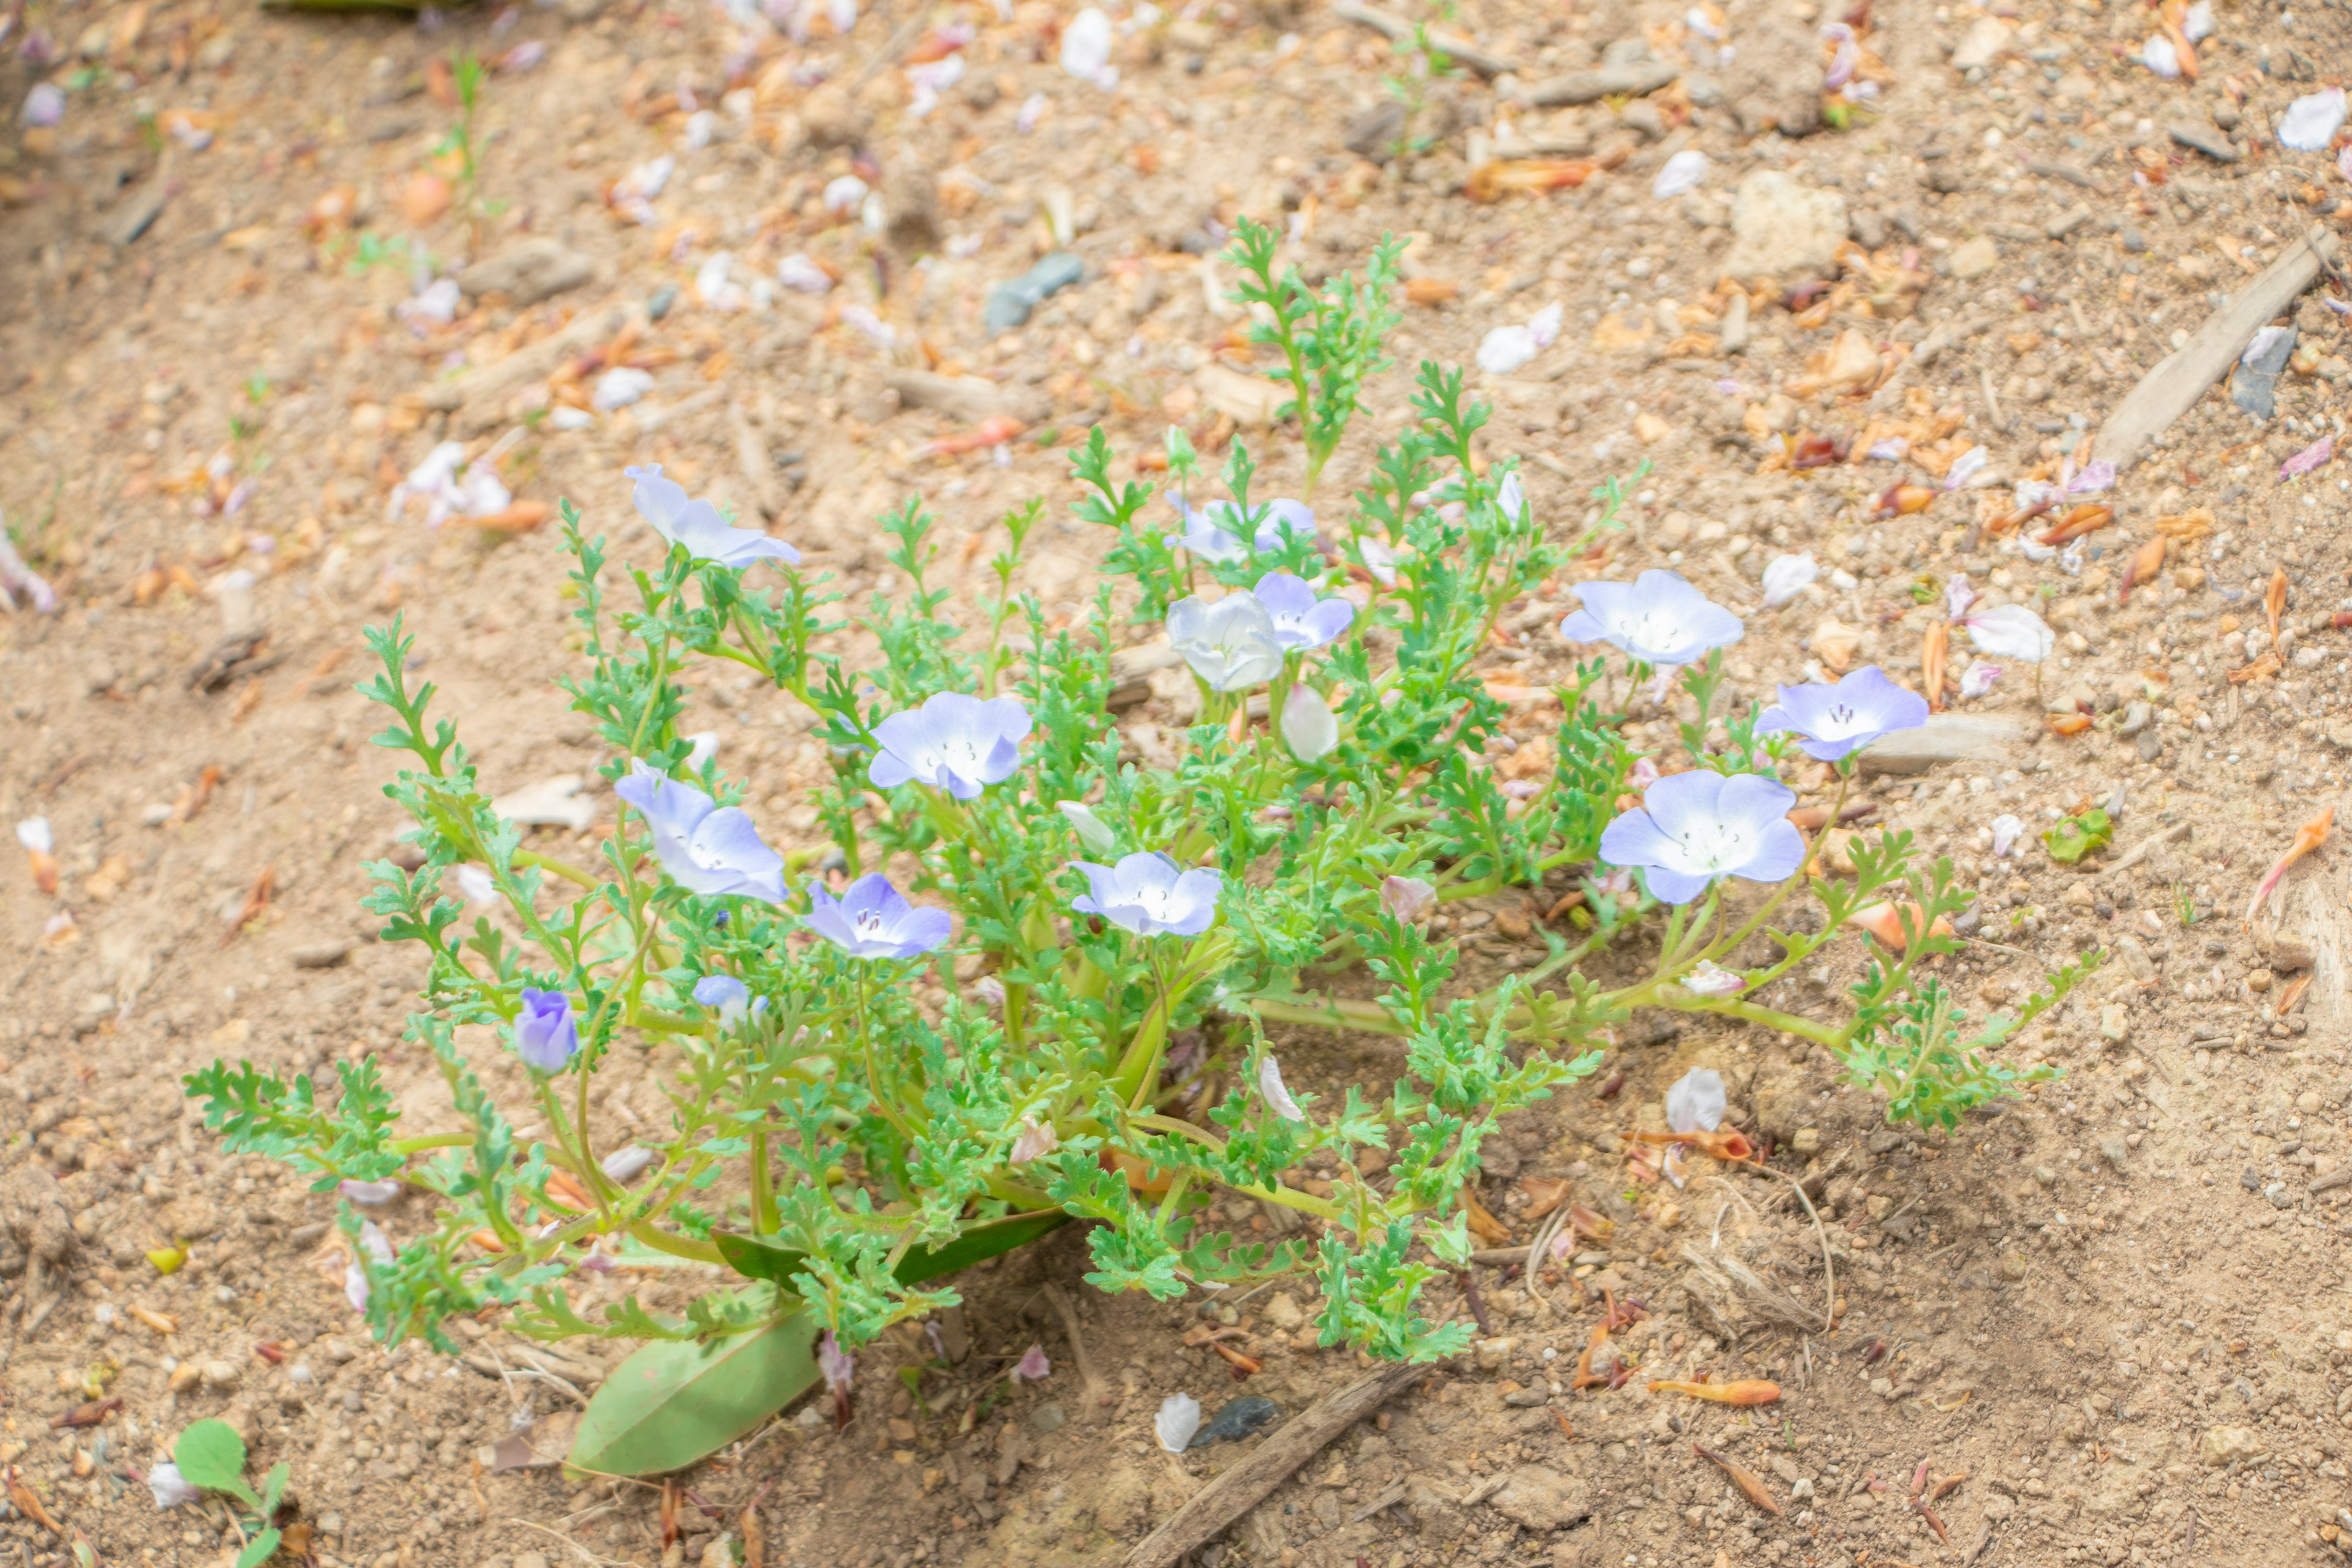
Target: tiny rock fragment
{"type": "Point", "coordinates": [528, 271]}
{"type": "Point", "coordinates": [1009, 303]}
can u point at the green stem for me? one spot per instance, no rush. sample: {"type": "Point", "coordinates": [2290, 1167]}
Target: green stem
{"type": "Point", "coordinates": [677, 1246]}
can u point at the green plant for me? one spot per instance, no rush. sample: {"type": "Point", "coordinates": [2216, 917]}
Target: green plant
{"type": "Point", "coordinates": [2075, 836]}
{"type": "Point", "coordinates": [1423, 62]}
{"type": "Point", "coordinates": [1085, 1015]}
{"type": "Point", "coordinates": [467, 77]}
{"type": "Point", "coordinates": [210, 1455]}
{"type": "Point", "coordinates": [2184, 905]}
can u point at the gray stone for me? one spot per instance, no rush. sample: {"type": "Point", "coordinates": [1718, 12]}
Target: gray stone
{"type": "Point", "coordinates": [1627, 69]}
{"type": "Point", "coordinates": [1375, 133]}
{"type": "Point", "coordinates": [1009, 304]}
{"type": "Point", "coordinates": [2206, 139]}
{"type": "Point", "coordinates": [1945, 738]}
{"type": "Point", "coordinates": [1534, 1497]}
{"type": "Point", "coordinates": [1779, 225]}
{"type": "Point", "coordinates": [2066, 223]}
{"type": "Point", "coordinates": [2114, 1150]}
{"type": "Point", "coordinates": [537, 268]}
{"type": "Point", "coordinates": [321, 954]}
{"type": "Point", "coordinates": [1048, 1419]}
{"type": "Point", "coordinates": [2135, 718]}
{"type": "Point", "coordinates": [1869, 229]}
{"type": "Point", "coordinates": [2255, 386]}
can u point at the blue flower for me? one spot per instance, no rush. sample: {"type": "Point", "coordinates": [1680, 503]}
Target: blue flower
{"type": "Point", "coordinates": [697, 525]}
{"type": "Point", "coordinates": [546, 1034]}
{"type": "Point", "coordinates": [1301, 620]}
{"type": "Point", "coordinates": [1693, 828]}
{"type": "Point", "coordinates": [873, 920]}
{"type": "Point", "coordinates": [1213, 533]}
{"type": "Point", "coordinates": [1837, 720]}
{"type": "Point", "coordinates": [731, 996]}
{"type": "Point", "coordinates": [1149, 894]}
{"type": "Point", "coordinates": [1658, 618]}
{"type": "Point", "coordinates": [706, 849]}
{"type": "Point", "coordinates": [958, 743]}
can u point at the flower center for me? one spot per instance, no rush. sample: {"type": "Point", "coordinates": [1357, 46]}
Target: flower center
{"type": "Point", "coordinates": [1712, 845]}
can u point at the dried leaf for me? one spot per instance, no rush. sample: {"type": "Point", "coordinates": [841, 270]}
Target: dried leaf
{"type": "Point", "coordinates": [540, 1445]}
{"type": "Point", "coordinates": [1746, 1391]}
{"type": "Point", "coordinates": [1750, 1487]}
{"type": "Point", "coordinates": [1545, 1193]}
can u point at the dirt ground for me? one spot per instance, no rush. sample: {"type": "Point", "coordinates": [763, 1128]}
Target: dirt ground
{"type": "Point", "coordinates": [2107, 1323]}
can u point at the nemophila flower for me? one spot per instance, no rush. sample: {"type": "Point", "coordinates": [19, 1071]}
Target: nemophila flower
{"type": "Point", "coordinates": [1957, 595]}
{"type": "Point", "coordinates": [729, 995]}
{"type": "Point", "coordinates": [1709, 978]}
{"type": "Point", "coordinates": [2011, 631]}
{"type": "Point", "coordinates": [1788, 577]}
{"type": "Point", "coordinates": [873, 920]}
{"type": "Point", "coordinates": [34, 834]}
{"type": "Point", "coordinates": [546, 1031]}
{"type": "Point", "coordinates": [958, 743]}
{"type": "Point", "coordinates": [1032, 1366]}
{"type": "Point", "coordinates": [2006, 831]}
{"type": "Point", "coordinates": [1231, 644]}
{"type": "Point", "coordinates": [1213, 533]}
{"type": "Point", "coordinates": [1270, 1085]}
{"type": "Point", "coordinates": [1178, 1419]}
{"type": "Point", "coordinates": [697, 525]}
{"type": "Point", "coordinates": [1836, 720]}
{"type": "Point", "coordinates": [1302, 619]}
{"type": "Point", "coordinates": [1308, 727]}
{"type": "Point", "coordinates": [163, 1481]}
{"type": "Point", "coordinates": [369, 1195]}
{"type": "Point", "coordinates": [1036, 1141]}
{"type": "Point", "coordinates": [1407, 898]}
{"type": "Point", "coordinates": [1658, 618]}
{"type": "Point", "coordinates": [626, 1164]}
{"type": "Point", "coordinates": [1149, 894]}
{"type": "Point", "coordinates": [1693, 828]}
{"type": "Point", "coordinates": [1507, 349]}
{"type": "Point", "coordinates": [1094, 834]}
{"type": "Point", "coordinates": [705, 848]}
{"type": "Point", "coordinates": [1696, 1102]}
{"type": "Point", "coordinates": [373, 1247]}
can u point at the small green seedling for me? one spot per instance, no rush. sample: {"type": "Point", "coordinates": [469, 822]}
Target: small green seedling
{"type": "Point", "coordinates": [212, 1455]}
{"type": "Point", "coordinates": [2078, 836]}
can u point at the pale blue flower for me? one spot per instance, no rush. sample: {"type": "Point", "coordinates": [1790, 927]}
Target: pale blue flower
{"type": "Point", "coordinates": [1835, 721]}
{"type": "Point", "coordinates": [697, 525]}
{"type": "Point", "coordinates": [1693, 828]}
{"type": "Point", "coordinates": [1658, 618]}
{"type": "Point", "coordinates": [1213, 533]}
{"type": "Point", "coordinates": [1149, 894]}
{"type": "Point", "coordinates": [1302, 620]}
{"type": "Point", "coordinates": [546, 1032]}
{"type": "Point", "coordinates": [707, 848]}
{"type": "Point", "coordinates": [873, 920]}
{"type": "Point", "coordinates": [729, 995]}
{"type": "Point", "coordinates": [958, 743]}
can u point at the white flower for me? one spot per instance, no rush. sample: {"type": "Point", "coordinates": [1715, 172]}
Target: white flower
{"type": "Point", "coordinates": [34, 834]}
{"type": "Point", "coordinates": [2158, 55]}
{"type": "Point", "coordinates": [476, 884]}
{"type": "Point", "coordinates": [2006, 831]}
{"type": "Point", "coordinates": [170, 1490]}
{"type": "Point", "coordinates": [1507, 349]}
{"type": "Point", "coordinates": [1681, 173]}
{"type": "Point", "coordinates": [1380, 560]}
{"type": "Point", "coordinates": [2310, 123]}
{"type": "Point", "coordinates": [1308, 727]}
{"type": "Point", "coordinates": [1788, 577]}
{"type": "Point", "coordinates": [1711, 979]}
{"type": "Point", "coordinates": [376, 1247]}
{"type": "Point", "coordinates": [1406, 898]}
{"type": "Point", "coordinates": [1978, 679]}
{"type": "Point", "coordinates": [1231, 644]}
{"type": "Point", "coordinates": [1094, 834]}
{"type": "Point", "coordinates": [1270, 1084]}
{"type": "Point", "coordinates": [1696, 1102]}
{"type": "Point", "coordinates": [1179, 1419]}
{"type": "Point", "coordinates": [843, 195]}
{"type": "Point", "coordinates": [2198, 24]}
{"type": "Point", "coordinates": [2011, 631]}
{"type": "Point", "coordinates": [620, 386]}
{"type": "Point", "coordinates": [1086, 49]}
{"type": "Point", "coordinates": [1036, 1141]}
{"type": "Point", "coordinates": [1966, 466]}
{"type": "Point", "coordinates": [713, 287]}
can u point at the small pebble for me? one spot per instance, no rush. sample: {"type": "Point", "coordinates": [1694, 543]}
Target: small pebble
{"type": "Point", "coordinates": [1237, 1419]}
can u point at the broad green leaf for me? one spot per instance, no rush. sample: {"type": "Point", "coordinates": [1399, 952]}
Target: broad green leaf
{"type": "Point", "coordinates": [259, 1550]}
{"type": "Point", "coordinates": [981, 1241]}
{"type": "Point", "coordinates": [2078, 836]}
{"type": "Point", "coordinates": [212, 1455]}
{"type": "Point", "coordinates": [757, 1257]}
{"type": "Point", "coordinates": [673, 1402]}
